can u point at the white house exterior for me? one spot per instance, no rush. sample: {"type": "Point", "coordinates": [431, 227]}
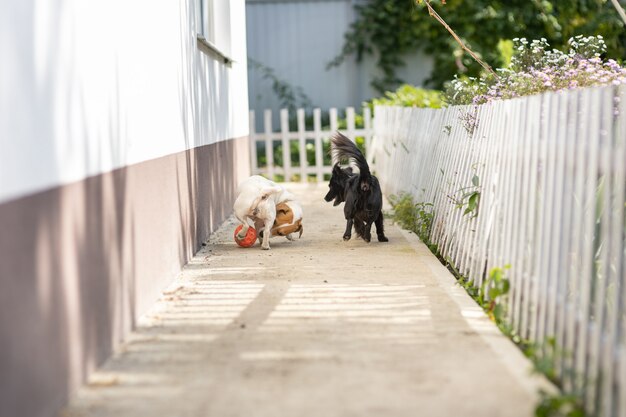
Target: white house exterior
{"type": "Point", "coordinates": [123, 135]}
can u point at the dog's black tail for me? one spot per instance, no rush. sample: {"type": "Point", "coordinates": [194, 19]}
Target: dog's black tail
{"type": "Point", "coordinates": [344, 148]}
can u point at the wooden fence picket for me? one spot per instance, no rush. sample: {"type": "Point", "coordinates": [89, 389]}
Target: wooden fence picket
{"type": "Point", "coordinates": [317, 137]}
{"type": "Point", "coordinates": [269, 143]}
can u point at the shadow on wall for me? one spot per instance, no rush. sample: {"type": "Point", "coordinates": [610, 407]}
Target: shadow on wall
{"type": "Point", "coordinates": [68, 292]}
{"type": "Point", "coordinates": [207, 180]}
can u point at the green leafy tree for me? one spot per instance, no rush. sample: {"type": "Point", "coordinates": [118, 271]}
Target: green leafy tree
{"type": "Point", "coordinates": [390, 29]}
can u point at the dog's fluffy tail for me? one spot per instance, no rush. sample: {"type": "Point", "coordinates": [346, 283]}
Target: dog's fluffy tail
{"type": "Point", "coordinates": [344, 148]}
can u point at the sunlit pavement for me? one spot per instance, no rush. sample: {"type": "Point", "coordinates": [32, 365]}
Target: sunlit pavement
{"type": "Point", "coordinates": [315, 327]}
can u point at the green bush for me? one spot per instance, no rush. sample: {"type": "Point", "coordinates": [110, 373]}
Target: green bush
{"type": "Point", "coordinates": [410, 96]}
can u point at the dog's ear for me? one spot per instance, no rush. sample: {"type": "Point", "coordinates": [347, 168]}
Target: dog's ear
{"type": "Point", "coordinates": [284, 215]}
{"type": "Point", "coordinates": [283, 222]}
{"type": "Point", "coordinates": [282, 208]}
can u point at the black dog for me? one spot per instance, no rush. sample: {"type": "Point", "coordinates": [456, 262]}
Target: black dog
{"type": "Point", "coordinates": [360, 191]}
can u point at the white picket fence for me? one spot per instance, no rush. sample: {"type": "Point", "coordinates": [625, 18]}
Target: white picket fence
{"type": "Point", "coordinates": [317, 136]}
{"type": "Point", "coordinates": [550, 172]}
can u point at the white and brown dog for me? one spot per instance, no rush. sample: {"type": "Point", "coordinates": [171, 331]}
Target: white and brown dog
{"type": "Point", "coordinates": [270, 206]}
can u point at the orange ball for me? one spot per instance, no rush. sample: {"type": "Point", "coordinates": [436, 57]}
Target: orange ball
{"type": "Point", "coordinates": [248, 240]}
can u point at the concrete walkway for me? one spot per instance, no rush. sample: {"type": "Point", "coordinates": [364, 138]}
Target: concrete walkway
{"type": "Point", "coordinates": [316, 327]}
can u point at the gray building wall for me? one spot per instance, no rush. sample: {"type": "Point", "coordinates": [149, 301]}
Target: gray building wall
{"type": "Point", "coordinates": [297, 38]}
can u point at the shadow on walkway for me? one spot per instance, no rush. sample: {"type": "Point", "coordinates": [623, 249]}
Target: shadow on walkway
{"type": "Point", "coordinates": [315, 327]}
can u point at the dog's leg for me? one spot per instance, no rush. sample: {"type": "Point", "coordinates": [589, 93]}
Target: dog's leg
{"type": "Point", "coordinates": [266, 231]}
{"type": "Point", "coordinates": [359, 227]}
{"type": "Point", "coordinates": [380, 228]}
{"type": "Point", "coordinates": [259, 225]}
{"type": "Point", "coordinates": [348, 233]}
{"type": "Point", "coordinates": [348, 212]}
{"type": "Point", "coordinates": [367, 231]}
{"type": "Point", "coordinates": [290, 235]}
{"type": "Point", "coordinates": [244, 221]}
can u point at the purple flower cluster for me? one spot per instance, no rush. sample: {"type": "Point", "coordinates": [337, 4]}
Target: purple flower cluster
{"type": "Point", "coordinates": [469, 121]}
{"type": "Point", "coordinates": [536, 69]}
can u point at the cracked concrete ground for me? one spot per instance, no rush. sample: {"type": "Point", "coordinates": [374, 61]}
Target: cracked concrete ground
{"type": "Point", "coordinates": [315, 327]}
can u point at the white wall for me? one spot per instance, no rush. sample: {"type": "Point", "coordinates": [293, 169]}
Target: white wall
{"type": "Point", "coordinates": [87, 87]}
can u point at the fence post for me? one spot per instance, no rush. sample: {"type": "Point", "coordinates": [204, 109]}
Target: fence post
{"type": "Point", "coordinates": [269, 143]}
{"type": "Point", "coordinates": [253, 136]}
{"type": "Point", "coordinates": [333, 127]}
{"type": "Point", "coordinates": [284, 135]}
{"type": "Point", "coordinates": [317, 137]}
{"type": "Point", "coordinates": [350, 123]}
{"type": "Point", "coordinates": [302, 146]}
{"type": "Point", "coordinates": [367, 126]}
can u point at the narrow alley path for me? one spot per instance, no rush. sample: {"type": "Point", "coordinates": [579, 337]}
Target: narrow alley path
{"type": "Point", "coordinates": [315, 327]}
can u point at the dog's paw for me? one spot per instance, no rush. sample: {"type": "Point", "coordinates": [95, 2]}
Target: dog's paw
{"type": "Point", "coordinates": [265, 247]}
{"type": "Point", "coordinates": [383, 238]}
{"type": "Point", "coordinates": [346, 237]}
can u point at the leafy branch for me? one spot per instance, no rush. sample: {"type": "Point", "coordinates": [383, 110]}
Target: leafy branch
{"type": "Point", "coordinates": [434, 14]}
{"type": "Point", "coordinates": [620, 10]}
{"type": "Point", "coordinates": [469, 197]}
